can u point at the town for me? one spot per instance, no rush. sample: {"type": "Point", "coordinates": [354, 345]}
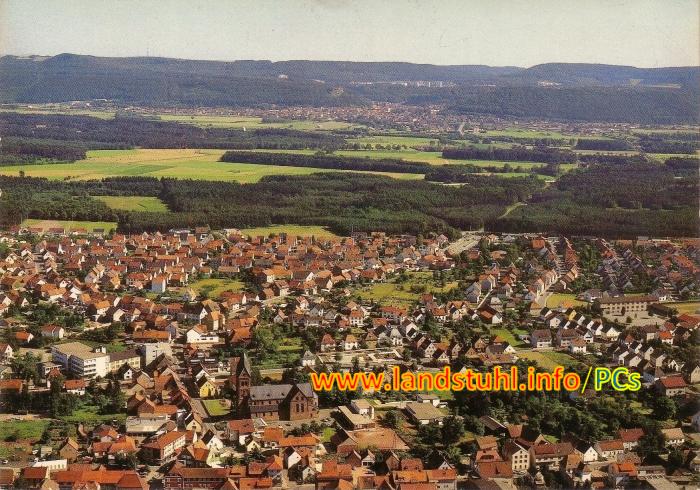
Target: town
{"type": "Point", "coordinates": [181, 360]}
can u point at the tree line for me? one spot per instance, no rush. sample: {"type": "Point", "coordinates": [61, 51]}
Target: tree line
{"type": "Point", "coordinates": [123, 132]}
{"type": "Point", "coordinates": [602, 144]}
{"type": "Point", "coordinates": [515, 154]}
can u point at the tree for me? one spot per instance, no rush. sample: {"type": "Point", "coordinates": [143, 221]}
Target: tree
{"type": "Point", "coordinates": [663, 408]}
{"type": "Point", "coordinates": [452, 430]}
{"type": "Point", "coordinates": [393, 419]}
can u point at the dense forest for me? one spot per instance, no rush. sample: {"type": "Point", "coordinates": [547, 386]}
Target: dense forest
{"type": "Point", "coordinates": [341, 201]}
{"type": "Point", "coordinates": [514, 154]}
{"type": "Point", "coordinates": [28, 150]}
{"type": "Point", "coordinates": [336, 162]}
{"type": "Point", "coordinates": [126, 132]}
{"type": "Point", "coordinates": [435, 173]}
{"type": "Point", "coordinates": [602, 144]}
{"type": "Point", "coordinates": [619, 200]}
{"type": "Point", "coordinates": [669, 143]}
{"type": "Point", "coordinates": [586, 92]}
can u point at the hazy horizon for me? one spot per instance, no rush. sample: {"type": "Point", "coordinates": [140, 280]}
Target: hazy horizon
{"type": "Point", "coordinates": [640, 33]}
{"type": "Point", "coordinates": [343, 61]}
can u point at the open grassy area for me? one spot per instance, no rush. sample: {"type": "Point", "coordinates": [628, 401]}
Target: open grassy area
{"type": "Point", "coordinates": [89, 415]}
{"type": "Point", "coordinates": [248, 122]}
{"type": "Point", "coordinates": [327, 433]}
{"type": "Point", "coordinates": [134, 203]}
{"type": "Point", "coordinates": [216, 408]}
{"type": "Point", "coordinates": [524, 133]}
{"type": "Point", "coordinates": [296, 230]}
{"type": "Point", "coordinates": [212, 288]}
{"type": "Point", "coordinates": [23, 429]}
{"type": "Point", "coordinates": [406, 293]}
{"type": "Point", "coordinates": [548, 359]}
{"type": "Point", "coordinates": [689, 307]}
{"type": "Point", "coordinates": [567, 300]}
{"type": "Point", "coordinates": [509, 336]}
{"type": "Point", "coordinates": [68, 226]}
{"type": "Point", "coordinates": [175, 163]}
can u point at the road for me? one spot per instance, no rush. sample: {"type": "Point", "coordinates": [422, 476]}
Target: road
{"type": "Point", "coordinates": [466, 242]}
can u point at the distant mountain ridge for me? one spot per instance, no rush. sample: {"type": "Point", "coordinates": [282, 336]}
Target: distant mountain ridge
{"type": "Point", "coordinates": [659, 94]}
{"type": "Point", "coordinates": [353, 71]}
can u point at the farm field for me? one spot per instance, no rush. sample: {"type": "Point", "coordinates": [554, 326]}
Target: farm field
{"type": "Point", "coordinates": [688, 307]}
{"type": "Point", "coordinates": [175, 163]}
{"type": "Point", "coordinates": [212, 288]}
{"type": "Point", "coordinates": [134, 203]}
{"type": "Point", "coordinates": [52, 109]}
{"type": "Point", "coordinates": [297, 230]}
{"type": "Point", "coordinates": [89, 226]}
{"type": "Point", "coordinates": [524, 133]}
{"type": "Point", "coordinates": [239, 122]}
{"type": "Point", "coordinates": [431, 157]}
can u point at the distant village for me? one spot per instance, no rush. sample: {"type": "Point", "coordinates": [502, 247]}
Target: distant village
{"type": "Point", "coordinates": [180, 360]}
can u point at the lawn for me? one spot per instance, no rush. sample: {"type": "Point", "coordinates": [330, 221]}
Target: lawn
{"type": "Point", "coordinates": [287, 351]}
{"type": "Point", "coordinates": [175, 163]}
{"type": "Point", "coordinates": [212, 288]}
{"type": "Point", "coordinates": [23, 429]}
{"type": "Point", "coordinates": [216, 408]}
{"type": "Point", "coordinates": [296, 230]}
{"type": "Point", "coordinates": [404, 293]}
{"type": "Point", "coordinates": [548, 359]}
{"type": "Point", "coordinates": [567, 300]}
{"type": "Point", "coordinates": [509, 336]}
{"type": "Point", "coordinates": [90, 226]}
{"type": "Point", "coordinates": [134, 203]}
{"type": "Point", "coordinates": [327, 433]}
{"type": "Point", "coordinates": [89, 414]}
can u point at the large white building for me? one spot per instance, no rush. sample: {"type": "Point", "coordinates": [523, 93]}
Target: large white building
{"type": "Point", "coordinates": [81, 360]}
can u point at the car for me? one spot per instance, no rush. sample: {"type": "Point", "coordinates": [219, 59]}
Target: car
{"type": "Point", "coordinates": [5, 461]}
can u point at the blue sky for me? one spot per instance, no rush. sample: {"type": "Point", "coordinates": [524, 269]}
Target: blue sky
{"type": "Point", "coordinates": [644, 33]}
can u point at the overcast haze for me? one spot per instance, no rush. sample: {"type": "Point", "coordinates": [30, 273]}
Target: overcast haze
{"type": "Point", "coordinates": [645, 33]}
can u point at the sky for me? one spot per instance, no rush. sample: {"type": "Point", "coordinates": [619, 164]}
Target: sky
{"type": "Point", "coordinates": [644, 33]}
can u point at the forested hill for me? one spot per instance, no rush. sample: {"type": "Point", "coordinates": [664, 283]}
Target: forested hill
{"type": "Point", "coordinates": [556, 90]}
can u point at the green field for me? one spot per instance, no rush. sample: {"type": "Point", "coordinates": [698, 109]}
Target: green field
{"type": "Point", "coordinates": [23, 429]}
{"type": "Point", "coordinates": [509, 336]}
{"type": "Point", "coordinates": [548, 359]}
{"type": "Point", "coordinates": [567, 300]}
{"type": "Point", "coordinates": [296, 230]}
{"type": "Point", "coordinates": [134, 203]}
{"type": "Point", "coordinates": [89, 414]}
{"type": "Point", "coordinates": [89, 226]}
{"type": "Point", "coordinates": [213, 121]}
{"type": "Point", "coordinates": [239, 122]}
{"type": "Point", "coordinates": [215, 408]}
{"type": "Point", "coordinates": [524, 133]}
{"type": "Point", "coordinates": [402, 294]}
{"type": "Point", "coordinates": [55, 109]}
{"type": "Point", "coordinates": [176, 163]}
{"type": "Point", "coordinates": [212, 288]}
